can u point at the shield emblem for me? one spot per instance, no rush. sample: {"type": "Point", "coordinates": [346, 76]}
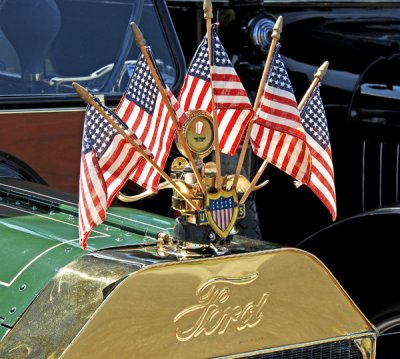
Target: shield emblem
{"type": "Point", "coordinates": [222, 211]}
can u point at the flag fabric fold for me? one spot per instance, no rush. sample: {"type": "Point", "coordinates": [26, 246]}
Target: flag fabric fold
{"type": "Point", "coordinates": [107, 161]}
{"type": "Point", "coordinates": [143, 109]}
{"type": "Point", "coordinates": [232, 104]}
{"type": "Point", "coordinates": [277, 134]}
{"type": "Point", "coordinates": [322, 181]}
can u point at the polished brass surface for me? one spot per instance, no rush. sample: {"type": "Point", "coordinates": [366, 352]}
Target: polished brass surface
{"type": "Point", "coordinates": [241, 187]}
{"type": "Point", "coordinates": [367, 347]}
{"type": "Point", "coordinates": [218, 307]}
{"type": "Point", "coordinates": [356, 338]}
{"type": "Point", "coordinates": [63, 307]}
{"type": "Point", "coordinates": [198, 133]}
{"type": "Point", "coordinates": [178, 164]}
{"type": "Point", "coordinates": [181, 205]}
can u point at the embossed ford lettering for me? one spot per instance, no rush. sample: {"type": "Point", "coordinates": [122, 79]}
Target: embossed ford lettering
{"type": "Point", "coordinates": [216, 309]}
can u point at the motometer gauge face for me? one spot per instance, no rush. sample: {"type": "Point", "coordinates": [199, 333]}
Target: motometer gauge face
{"type": "Point", "coordinates": [198, 133]}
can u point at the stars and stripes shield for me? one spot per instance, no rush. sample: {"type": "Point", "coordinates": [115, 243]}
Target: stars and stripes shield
{"type": "Point", "coordinates": [222, 211]}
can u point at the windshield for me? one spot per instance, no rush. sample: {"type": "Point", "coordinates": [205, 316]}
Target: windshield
{"type": "Point", "coordinates": [46, 45]}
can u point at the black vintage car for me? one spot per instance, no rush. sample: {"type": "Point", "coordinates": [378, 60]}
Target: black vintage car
{"type": "Point", "coordinates": [361, 94]}
{"type": "Point", "coordinates": [41, 121]}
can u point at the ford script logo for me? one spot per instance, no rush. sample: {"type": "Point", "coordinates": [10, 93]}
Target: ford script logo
{"type": "Point", "coordinates": [217, 309]}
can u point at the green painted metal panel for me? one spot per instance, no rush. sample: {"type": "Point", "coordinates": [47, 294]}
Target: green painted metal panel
{"type": "Point", "coordinates": [38, 238]}
{"type": "Point", "coordinates": [3, 332]}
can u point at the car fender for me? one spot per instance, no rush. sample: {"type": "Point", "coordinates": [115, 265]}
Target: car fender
{"type": "Point", "coordinates": [362, 253]}
{"type": "Point", "coordinates": [13, 167]}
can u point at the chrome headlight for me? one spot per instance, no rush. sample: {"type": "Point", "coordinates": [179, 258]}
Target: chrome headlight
{"type": "Point", "coordinates": [260, 30]}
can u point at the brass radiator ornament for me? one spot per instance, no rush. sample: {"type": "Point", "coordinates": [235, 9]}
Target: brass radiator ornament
{"type": "Point", "coordinates": [219, 209]}
{"type": "Point", "coordinates": [212, 226]}
{"type": "Point", "coordinates": [209, 204]}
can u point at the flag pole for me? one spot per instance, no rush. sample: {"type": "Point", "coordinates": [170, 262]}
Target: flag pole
{"type": "Point", "coordinates": [275, 36]}
{"type": "Point", "coordinates": [208, 15]}
{"type": "Point", "coordinates": [89, 99]}
{"type": "Point", "coordinates": [319, 74]}
{"type": "Point", "coordinates": [141, 43]}
{"type": "Point", "coordinates": [253, 183]}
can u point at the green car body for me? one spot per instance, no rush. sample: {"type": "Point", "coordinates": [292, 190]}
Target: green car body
{"type": "Point", "coordinates": [39, 235]}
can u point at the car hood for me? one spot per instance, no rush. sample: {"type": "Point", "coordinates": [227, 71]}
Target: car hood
{"type": "Point", "coordinates": [39, 235]}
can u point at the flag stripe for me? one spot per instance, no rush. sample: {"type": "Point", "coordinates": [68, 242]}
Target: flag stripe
{"type": "Point", "coordinates": [278, 135]}
{"type": "Point", "coordinates": [143, 109]}
{"type": "Point", "coordinates": [93, 191]}
{"type": "Point", "coordinates": [232, 104]}
{"type": "Point", "coordinates": [322, 181]}
{"type": "Point", "coordinates": [106, 162]}
{"type": "Point", "coordinates": [283, 151]}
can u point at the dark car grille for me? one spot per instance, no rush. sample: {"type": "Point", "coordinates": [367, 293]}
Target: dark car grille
{"type": "Point", "coordinates": [346, 349]}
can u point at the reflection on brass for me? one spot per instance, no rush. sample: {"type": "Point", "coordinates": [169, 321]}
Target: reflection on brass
{"type": "Point", "coordinates": [285, 348]}
{"type": "Point", "coordinates": [296, 299]}
{"type": "Point", "coordinates": [210, 169]}
{"type": "Point", "coordinates": [211, 316]}
{"type": "Point", "coordinates": [63, 307]}
{"type": "Point", "coordinates": [367, 347]}
{"type": "Point", "coordinates": [186, 188]}
{"type": "Point", "coordinates": [242, 185]}
{"type": "Point", "coordinates": [164, 244]}
{"type": "Point", "coordinates": [198, 133]}
{"type": "Point", "coordinates": [179, 204]}
{"type": "Point", "coordinates": [178, 164]}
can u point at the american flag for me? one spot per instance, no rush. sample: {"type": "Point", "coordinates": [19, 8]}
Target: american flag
{"type": "Point", "coordinates": [143, 109]}
{"type": "Point", "coordinates": [277, 134]}
{"type": "Point", "coordinates": [322, 181]}
{"type": "Point", "coordinates": [222, 211]}
{"type": "Point", "coordinates": [233, 106]}
{"type": "Point", "coordinates": [107, 160]}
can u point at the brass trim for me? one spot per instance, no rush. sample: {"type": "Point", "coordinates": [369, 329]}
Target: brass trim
{"type": "Point", "coordinates": [292, 300]}
{"type": "Point", "coordinates": [223, 233]}
{"type": "Point", "coordinates": [199, 146]}
{"type": "Point", "coordinates": [180, 204]}
{"type": "Point", "coordinates": [367, 347]}
{"type": "Point", "coordinates": [357, 338]}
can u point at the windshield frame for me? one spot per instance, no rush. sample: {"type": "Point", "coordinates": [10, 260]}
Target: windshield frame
{"type": "Point", "coordinates": [64, 99]}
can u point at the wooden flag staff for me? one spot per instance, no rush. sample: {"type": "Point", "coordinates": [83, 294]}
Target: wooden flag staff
{"type": "Point", "coordinates": [319, 74]}
{"type": "Point", "coordinates": [208, 15]}
{"type": "Point", "coordinates": [89, 99]}
{"type": "Point", "coordinates": [275, 36]}
{"type": "Point", "coordinates": [141, 43]}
